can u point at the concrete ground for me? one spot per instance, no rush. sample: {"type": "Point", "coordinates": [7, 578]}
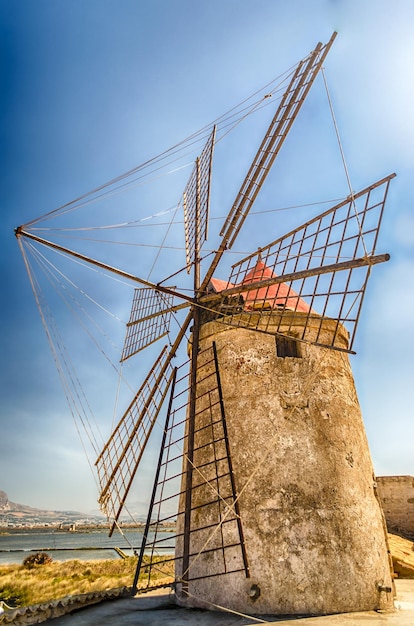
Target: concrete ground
{"type": "Point", "coordinates": [160, 610]}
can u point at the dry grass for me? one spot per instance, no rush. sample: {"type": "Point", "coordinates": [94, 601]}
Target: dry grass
{"type": "Point", "coordinates": [20, 586]}
{"type": "Point", "coordinates": [402, 551]}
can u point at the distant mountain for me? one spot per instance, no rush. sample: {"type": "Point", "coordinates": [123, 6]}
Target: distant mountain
{"type": "Point", "coordinates": [14, 514]}
{"type": "Point", "coordinates": [7, 506]}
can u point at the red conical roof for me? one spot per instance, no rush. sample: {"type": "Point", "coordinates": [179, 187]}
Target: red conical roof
{"type": "Point", "coordinates": [217, 284]}
{"type": "Point", "coordinates": [275, 296]}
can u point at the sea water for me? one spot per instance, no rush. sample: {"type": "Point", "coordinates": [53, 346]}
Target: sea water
{"type": "Point", "coordinates": [81, 545]}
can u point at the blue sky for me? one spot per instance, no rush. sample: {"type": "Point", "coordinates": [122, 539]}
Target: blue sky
{"type": "Point", "coordinates": [93, 88]}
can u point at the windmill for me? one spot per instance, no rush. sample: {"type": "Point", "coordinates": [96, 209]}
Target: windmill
{"type": "Point", "coordinates": [275, 510]}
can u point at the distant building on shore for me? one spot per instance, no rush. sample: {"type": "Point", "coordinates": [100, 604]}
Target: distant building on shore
{"type": "Point", "coordinates": [397, 497]}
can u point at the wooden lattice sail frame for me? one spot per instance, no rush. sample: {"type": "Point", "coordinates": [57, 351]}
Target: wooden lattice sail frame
{"type": "Point", "coordinates": [319, 270]}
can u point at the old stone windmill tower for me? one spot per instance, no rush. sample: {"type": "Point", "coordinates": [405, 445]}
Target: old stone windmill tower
{"type": "Point", "coordinates": [263, 478]}
{"type": "Point", "coordinates": [312, 526]}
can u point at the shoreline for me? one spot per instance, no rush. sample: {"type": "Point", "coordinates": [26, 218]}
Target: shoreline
{"type": "Point", "coordinates": [85, 543]}
{"type": "Point", "coordinates": [74, 528]}
{"type": "Point", "coordinates": [63, 528]}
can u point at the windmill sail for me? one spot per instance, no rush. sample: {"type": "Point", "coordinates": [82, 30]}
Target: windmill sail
{"type": "Point", "coordinates": [149, 320]}
{"type": "Point", "coordinates": [318, 270]}
{"type": "Point", "coordinates": [276, 134]}
{"type": "Point", "coordinates": [119, 460]}
{"type": "Point", "coordinates": [196, 202]}
{"type": "Point", "coordinates": [151, 308]}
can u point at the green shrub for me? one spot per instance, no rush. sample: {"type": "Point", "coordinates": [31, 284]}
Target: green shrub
{"type": "Point", "coordinates": [39, 558]}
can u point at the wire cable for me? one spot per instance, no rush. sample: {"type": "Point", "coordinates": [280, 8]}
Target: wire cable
{"type": "Point", "coordinates": [348, 179]}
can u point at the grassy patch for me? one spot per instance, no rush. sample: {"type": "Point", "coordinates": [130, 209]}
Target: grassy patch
{"type": "Point", "coordinates": [20, 586]}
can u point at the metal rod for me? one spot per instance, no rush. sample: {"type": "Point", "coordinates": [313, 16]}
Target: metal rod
{"type": "Point", "coordinates": [197, 231]}
{"type": "Point", "coordinates": [190, 451]}
{"type": "Point", "coordinates": [326, 269]}
{"type": "Point", "coordinates": [19, 232]}
{"type": "Point", "coordinates": [172, 309]}
{"type": "Point", "coordinates": [154, 489]}
{"type": "Point", "coordinates": [230, 464]}
{"type": "Point", "coordinates": [210, 169]}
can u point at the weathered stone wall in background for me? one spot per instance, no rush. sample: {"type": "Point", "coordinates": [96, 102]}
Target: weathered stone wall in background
{"type": "Point", "coordinates": [397, 497]}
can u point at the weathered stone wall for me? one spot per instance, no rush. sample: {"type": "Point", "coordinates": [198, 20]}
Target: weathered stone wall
{"type": "Point", "coordinates": [313, 526]}
{"type": "Point", "coordinates": [397, 497]}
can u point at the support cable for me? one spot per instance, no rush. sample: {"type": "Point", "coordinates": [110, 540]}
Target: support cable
{"type": "Point", "coordinates": [70, 380]}
{"type": "Point", "coordinates": [139, 223]}
{"type": "Point", "coordinates": [52, 279]}
{"type": "Point", "coordinates": [219, 607]}
{"type": "Point", "coordinates": [58, 361]}
{"type": "Point", "coordinates": [190, 140]}
{"type": "Point", "coordinates": [348, 179]}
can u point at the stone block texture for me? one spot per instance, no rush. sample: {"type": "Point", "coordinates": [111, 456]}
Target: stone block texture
{"type": "Point", "coordinates": [397, 497]}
